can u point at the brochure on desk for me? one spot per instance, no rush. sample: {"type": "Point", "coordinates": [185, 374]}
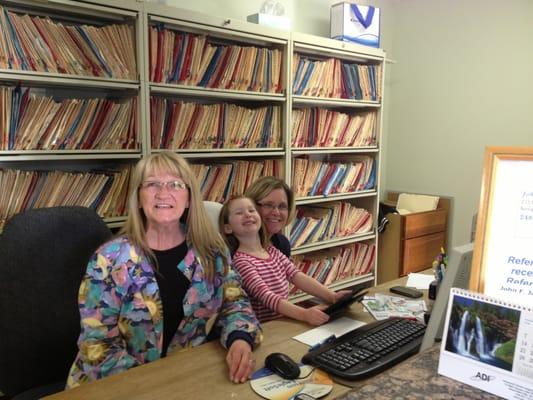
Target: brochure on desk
{"type": "Point", "coordinates": [488, 345]}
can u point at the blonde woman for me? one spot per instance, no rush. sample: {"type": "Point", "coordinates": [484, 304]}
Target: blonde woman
{"type": "Point", "coordinates": [163, 283]}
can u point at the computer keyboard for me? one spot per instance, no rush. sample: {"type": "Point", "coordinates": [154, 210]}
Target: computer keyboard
{"type": "Point", "coordinates": [369, 349]}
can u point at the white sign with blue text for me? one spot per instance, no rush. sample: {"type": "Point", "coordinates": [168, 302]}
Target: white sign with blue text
{"type": "Point", "coordinates": [509, 250]}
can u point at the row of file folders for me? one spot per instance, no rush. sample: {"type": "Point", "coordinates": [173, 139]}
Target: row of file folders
{"type": "Point", "coordinates": [336, 78]}
{"type": "Point", "coordinates": [185, 125]}
{"type": "Point", "coordinates": [320, 127]}
{"type": "Point", "coordinates": [189, 59]}
{"type": "Point", "coordinates": [218, 182]}
{"type": "Point", "coordinates": [32, 121]}
{"type": "Point", "coordinates": [35, 43]}
{"type": "Point", "coordinates": [329, 221]}
{"type": "Point", "coordinates": [29, 121]}
{"type": "Point", "coordinates": [318, 178]}
{"type": "Point", "coordinates": [336, 264]}
{"type": "Point", "coordinates": [99, 190]}
{"type": "Point", "coordinates": [103, 191]}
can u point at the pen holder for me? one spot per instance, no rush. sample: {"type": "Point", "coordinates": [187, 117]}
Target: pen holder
{"type": "Point", "coordinates": [433, 289]}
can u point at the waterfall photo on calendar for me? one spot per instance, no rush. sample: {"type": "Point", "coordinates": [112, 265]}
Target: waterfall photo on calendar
{"type": "Point", "coordinates": [482, 331]}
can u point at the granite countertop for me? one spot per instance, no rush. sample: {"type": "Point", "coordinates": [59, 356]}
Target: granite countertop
{"type": "Point", "coordinates": [415, 378]}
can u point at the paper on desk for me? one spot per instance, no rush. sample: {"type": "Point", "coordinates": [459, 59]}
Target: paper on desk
{"type": "Point", "coordinates": [419, 281]}
{"type": "Point", "coordinates": [383, 306]}
{"type": "Point", "coordinates": [336, 327]}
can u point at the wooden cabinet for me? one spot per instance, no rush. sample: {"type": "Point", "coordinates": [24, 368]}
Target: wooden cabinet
{"type": "Point", "coordinates": [411, 242]}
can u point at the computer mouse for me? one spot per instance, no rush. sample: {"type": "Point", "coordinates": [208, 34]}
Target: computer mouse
{"type": "Point", "coordinates": [282, 365]}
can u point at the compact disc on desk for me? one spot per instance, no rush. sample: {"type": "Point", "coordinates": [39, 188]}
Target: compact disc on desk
{"type": "Point", "coordinates": [271, 386]}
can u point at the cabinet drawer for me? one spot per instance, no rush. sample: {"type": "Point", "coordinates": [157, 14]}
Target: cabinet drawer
{"type": "Point", "coordinates": [419, 253]}
{"type": "Point", "coordinates": [424, 223]}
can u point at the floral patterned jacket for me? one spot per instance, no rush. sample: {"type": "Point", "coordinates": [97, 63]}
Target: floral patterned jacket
{"type": "Point", "coordinates": [121, 311]}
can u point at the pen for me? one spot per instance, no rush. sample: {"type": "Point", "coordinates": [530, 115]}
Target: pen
{"type": "Point", "coordinates": [327, 340]}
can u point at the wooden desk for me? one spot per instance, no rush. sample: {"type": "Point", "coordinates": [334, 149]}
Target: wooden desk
{"type": "Point", "coordinates": [201, 372]}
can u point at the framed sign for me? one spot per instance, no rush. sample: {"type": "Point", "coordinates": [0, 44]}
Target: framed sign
{"type": "Point", "coordinates": [502, 264]}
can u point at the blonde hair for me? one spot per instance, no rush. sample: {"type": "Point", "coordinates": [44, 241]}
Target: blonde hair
{"type": "Point", "coordinates": [201, 234]}
{"type": "Point", "coordinates": [229, 238]}
{"type": "Point", "coordinates": [263, 186]}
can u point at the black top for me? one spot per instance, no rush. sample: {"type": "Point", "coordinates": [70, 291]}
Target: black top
{"type": "Point", "coordinates": [172, 286]}
{"type": "Point", "coordinates": [280, 242]}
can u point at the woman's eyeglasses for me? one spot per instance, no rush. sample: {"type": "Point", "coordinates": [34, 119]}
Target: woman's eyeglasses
{"type": "Point", "coordinates": [271, 207]}
{"type": "Point", "coordinates": [157, 186]}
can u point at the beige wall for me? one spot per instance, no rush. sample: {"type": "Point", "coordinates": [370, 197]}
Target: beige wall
{"type": "Point", "coordinates": [463, 79]}
{"type": "Point", "coordinates": [237, 9]}
{"type": "Point", "coordinates": [308, 16]}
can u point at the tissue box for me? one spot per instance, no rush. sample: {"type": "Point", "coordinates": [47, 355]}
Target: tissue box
{"type": "Point", "coordinates": [354, 23]}
{"type": "Point", "coordinates": [274, 21]}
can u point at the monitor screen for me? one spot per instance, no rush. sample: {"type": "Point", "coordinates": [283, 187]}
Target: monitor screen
{"type": "Point", "coordinates": [457, 275]}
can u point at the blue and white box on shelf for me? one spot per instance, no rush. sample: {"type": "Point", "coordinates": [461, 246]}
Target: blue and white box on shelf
{"type": "Point", "coordinates": [355, 23]}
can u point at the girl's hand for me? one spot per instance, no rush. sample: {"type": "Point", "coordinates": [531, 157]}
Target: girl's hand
{"type": "Point", "coordinates": [314, 316]}
{"type": "Point", "coordinates": [339, 295]}
{"type": "Point", "coordinates": [321, 307]}
{"type": "Point", "coordinates": [240, 361]}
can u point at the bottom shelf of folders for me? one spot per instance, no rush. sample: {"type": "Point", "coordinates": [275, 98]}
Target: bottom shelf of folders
{"type": "Point", "coordinates": [103, 189]}
{"type": "Point", "coordinates": [347, 264]}
{"type": "Point", "coordinates": [220, 180]}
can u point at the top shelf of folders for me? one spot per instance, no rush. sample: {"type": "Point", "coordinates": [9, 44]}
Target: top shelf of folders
{"type": "Point", "coordinates": [333, 73]}
{"type": "Point", "coordinates": [196, 56]}
{"type": "Point", "coordinates": [69, 44]}
{"type": "Point", "coordinates": [69, 80]}
{"type": "Point", "coordinates": [232, 59]}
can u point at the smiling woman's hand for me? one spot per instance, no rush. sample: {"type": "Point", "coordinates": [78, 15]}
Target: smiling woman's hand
{"type": "Point", "coordinates": [240, 361]}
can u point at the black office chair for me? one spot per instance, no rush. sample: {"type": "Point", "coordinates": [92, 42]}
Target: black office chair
{"type": "Point", "coordinates": [43, 256]}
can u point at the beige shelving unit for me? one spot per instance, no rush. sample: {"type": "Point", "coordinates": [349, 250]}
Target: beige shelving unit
{"type": "Point", "coordinates": [317, 48]}
{"type": "Point", "coordinates": [222, 31]}
{"type": "Point", "coordinates": [62, 86]}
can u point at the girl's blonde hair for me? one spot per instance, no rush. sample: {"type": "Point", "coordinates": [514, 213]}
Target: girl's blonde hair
{"type": "Point", "coordinates": [229, 238]}
{"type": "Point", "coordinates": [200, 234]}
{"type": "Point", "coordinates": [262, 187]}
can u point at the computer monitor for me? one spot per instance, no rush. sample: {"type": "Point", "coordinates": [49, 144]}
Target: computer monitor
{"type": "Point", "coordinates": [457, 275]}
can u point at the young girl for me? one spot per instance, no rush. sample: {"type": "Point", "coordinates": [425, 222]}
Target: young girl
{"type": "Point", "coordinates": [265, 271]}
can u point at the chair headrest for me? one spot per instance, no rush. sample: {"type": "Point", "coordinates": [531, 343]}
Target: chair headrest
{"type": "Point", "coordinates": [213, 211]}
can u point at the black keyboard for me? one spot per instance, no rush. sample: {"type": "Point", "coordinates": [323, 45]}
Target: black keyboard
{"type": "Point", "coordinates": [369, 349]}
